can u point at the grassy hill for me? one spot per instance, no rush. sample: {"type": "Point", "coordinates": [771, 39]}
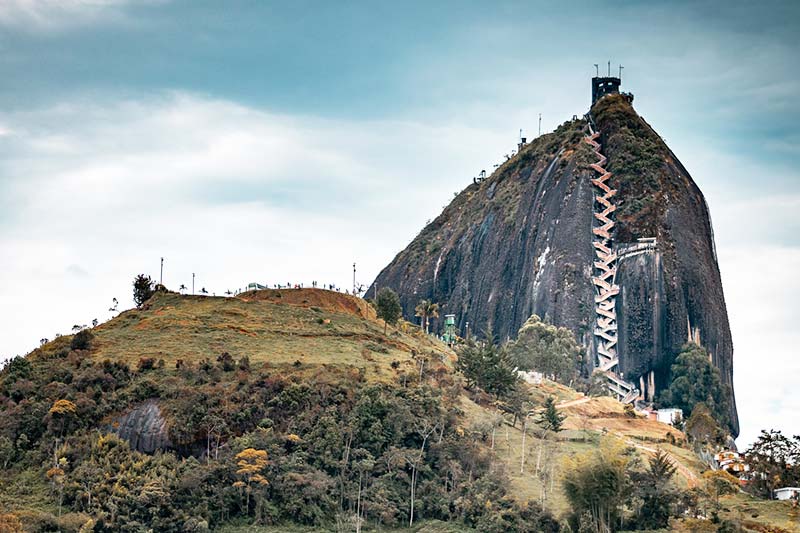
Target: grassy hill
{"type": "Point", "coordinates": [278, 327]}
{"type": "Point", "coordinates": [311, 379]}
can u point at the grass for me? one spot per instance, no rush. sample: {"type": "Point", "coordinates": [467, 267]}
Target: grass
{"type": "Point", "coordinates": [266, 330]}
{"type": "Point", "coordinates": [588, 421]}
{"type": "Point", "coordinates": [26, 490]}
{"type": "Point", "coordinates": [755, 513]}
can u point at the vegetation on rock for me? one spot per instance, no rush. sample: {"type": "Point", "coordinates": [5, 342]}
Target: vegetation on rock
{"type": "Point", "coordinates": [696, 380]}
{"type": "Point", "coordinates": [547, 349]}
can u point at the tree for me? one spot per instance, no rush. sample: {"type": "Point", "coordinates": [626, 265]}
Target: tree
{"type": "Point", "coordinates": [62, 411]}
{"type": "Point", "coordinates": [426, 309]}
{"type": "Point", "coordinates": [550, 419]}
{"type": "Point", "coordinates": [6, 451]}
{"type": "Point", "coordinates": [696, 380]}
{"type": "Point", "coordinates": [143, 289]}
{"type": "Point", "coordinates": [774, 461]}
{"type": "Point", "coordinates": [518, 402]}
{"type": "Point", "coordinates": [656, 492]}
{"type": "Point", "coordinates": [388, 307]}
{"type": "Point", "coordinates": [597, 482]}
{"type": "Point", "coordinates": [425, 428]}
{"type": "Point", "coordinates": [9, 523]}
{"type": "Point", "coordinates": [702, 428]}
{"type": "Point", "coordinates": [719, 483]}
{"type": "Point", "coordinates": [251, 463]}
{"type": "Point", "coordinates": [488, 366]}
{"type": "Point", "coordinates": [547, 349]}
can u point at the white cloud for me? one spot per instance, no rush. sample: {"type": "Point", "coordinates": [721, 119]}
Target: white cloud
{"type": "Point", "coordinates": [761, 290]}
{"type": "Point", "coordinates": [51, 15]}
{"type": "Point", "coordinates": [95, 193]}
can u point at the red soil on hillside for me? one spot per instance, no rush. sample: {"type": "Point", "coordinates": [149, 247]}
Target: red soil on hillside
{"type": "Point", "coordinates": [324, 299]}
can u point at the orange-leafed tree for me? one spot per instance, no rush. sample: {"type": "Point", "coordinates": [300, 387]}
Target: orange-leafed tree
{"type": "Point", "coordinates": [61, 413]}
{"type": "Point", "coordinates": [9, 523]}
{"type": "Point", "coordinates": [251, 463]}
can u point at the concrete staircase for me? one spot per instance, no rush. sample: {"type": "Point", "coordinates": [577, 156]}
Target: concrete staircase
{"type": "Point", "coordinates": [605, 272]}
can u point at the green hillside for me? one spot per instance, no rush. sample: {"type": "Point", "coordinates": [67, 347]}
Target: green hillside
{"type": "Point", "coordinates": [291, 410]}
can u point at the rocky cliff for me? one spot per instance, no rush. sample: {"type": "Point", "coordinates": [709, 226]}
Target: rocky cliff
{"type": "Point", "coordinates": [144, 428]}
{"type": "Point", "coordinates": [520, 243]}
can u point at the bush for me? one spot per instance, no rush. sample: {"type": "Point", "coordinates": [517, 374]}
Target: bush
{"type": "Point", "coordinates": [226, 362]}
{"type": "Point", "coordinates": [82, 340]}
{"type": "Point", "coordinates": [146, 363]}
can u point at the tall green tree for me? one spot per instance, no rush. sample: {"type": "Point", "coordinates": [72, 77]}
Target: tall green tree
{"type": "Point", "coordinates": [550, 419]}
{"type": "Point", "coordinates": [143, 289]}
{"type": "Point", "coordinates": [654, 488]}
{"type": "Point", "coordinates": [388, 307]}
{"type": "Point", "coordinates": [547, 349]}
{"type": "Point", "coordinates": [488, 366]}
{"type": "Point", "coordinates": [696, 380]}
{"type": "Point", "coordinates": [597, 483]}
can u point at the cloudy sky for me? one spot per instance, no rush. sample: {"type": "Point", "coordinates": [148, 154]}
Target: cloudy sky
{"type": "Point", "coordinates": [282, 141]}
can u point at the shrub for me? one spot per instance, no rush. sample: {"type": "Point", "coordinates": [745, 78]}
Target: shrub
{"type": "Point", "coordinates": [82, 340]}
{"type": "Point", "coordinates": [146, 363]}
{"type": "Point", "coordinates": [226, 362]}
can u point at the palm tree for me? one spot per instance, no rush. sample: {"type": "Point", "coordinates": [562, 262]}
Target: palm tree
{"type": "Point", "coordinates": [182, 288]}
{"type": "Point", "coordinates": [426, 309]}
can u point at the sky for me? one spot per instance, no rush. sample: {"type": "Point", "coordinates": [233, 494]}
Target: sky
{"type": "Point", "coordinates": [281, 142]}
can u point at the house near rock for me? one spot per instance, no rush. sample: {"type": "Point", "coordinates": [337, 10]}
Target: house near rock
{"type": "Point", "coordinates": [787, 493]}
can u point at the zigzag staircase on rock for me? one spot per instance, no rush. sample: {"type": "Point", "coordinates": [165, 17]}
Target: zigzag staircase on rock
{"type": "Point", "coordinates": [605, 268]}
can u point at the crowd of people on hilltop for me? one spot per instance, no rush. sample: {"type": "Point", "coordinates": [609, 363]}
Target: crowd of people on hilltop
{"type": "Point", "coordinates": [290, 285]}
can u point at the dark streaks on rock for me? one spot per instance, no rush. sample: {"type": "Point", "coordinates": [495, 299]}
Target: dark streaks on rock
{"type": "Point", "coordinates": [519, 243]}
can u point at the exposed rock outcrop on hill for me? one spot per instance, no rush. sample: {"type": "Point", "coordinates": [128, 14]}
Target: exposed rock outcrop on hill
{"type": "Point", "coordinates": [520, 243]}
{"type": "Point", "coordinates": [145, 428]}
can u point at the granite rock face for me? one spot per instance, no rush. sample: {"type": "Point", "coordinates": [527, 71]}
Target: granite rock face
{"type": "Point", "coordinates": [145, 428]}
{"type": "Point", "coordinates": [519, 243]}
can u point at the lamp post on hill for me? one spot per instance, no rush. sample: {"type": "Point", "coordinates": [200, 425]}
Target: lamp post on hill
{"type": "Point", "coordinates": [192, 282]}
{"type": "Point", "coordinates": [161, 277]}
{"type": "Point", "coordinates": [354, 279]}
